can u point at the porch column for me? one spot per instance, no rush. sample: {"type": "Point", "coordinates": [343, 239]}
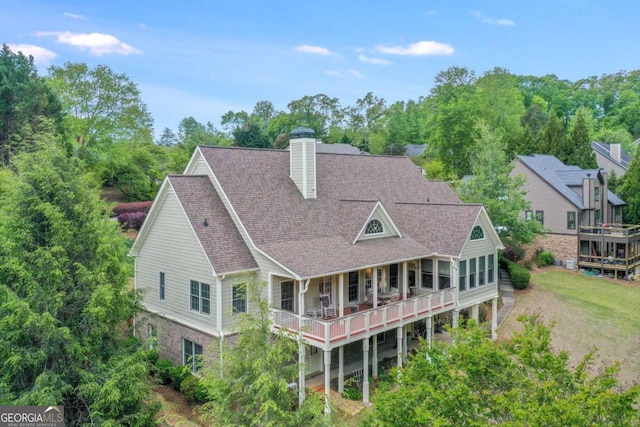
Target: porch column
{"type": "Point", "coordinates": [429, 335]}
{"type": "Point", "coordinates": [494, 318]}
{"type": "Point", "coordinates": [475, 313]}
{"type": "Point", "coordinates": [302, 355]}
{"type": "Point", "coordinates": [406, 343]}
{"type": "Point", "coordinates": [365, 371]}
{"type": "Point", "coordinates": [341, 294]}
{"type": "Point", "coordinates": [399, 334]}
{"type": "Point", "coordinates": [454, 318]}
{"type": "Point", "coordinates": [341, 369]}
{"type": "Point", "coordinates": [327, 381]}
{"type": "Point", "coordinates": [374, 285]}
{"type": "Point", "coordinates": [374, 357]}
{"type": "Point", "coordinates": [418, 284]}
{"type": "Point", "coordinates": [405, 280]}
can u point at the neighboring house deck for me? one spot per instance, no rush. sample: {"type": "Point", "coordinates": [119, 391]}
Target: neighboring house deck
{"type": "Point", "coordinates": [610, 249]}
{"type": "Point", "coordinates": [359, 254]}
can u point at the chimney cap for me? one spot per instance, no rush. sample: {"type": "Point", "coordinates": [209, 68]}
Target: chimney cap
{"type": "Point", "coordinates": [302, 132]}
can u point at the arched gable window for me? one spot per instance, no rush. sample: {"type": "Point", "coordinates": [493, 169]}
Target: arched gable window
{"type": "Point", "coordinates": [374, 227]}
{"type": "Point", "coordinates": [477, 233]}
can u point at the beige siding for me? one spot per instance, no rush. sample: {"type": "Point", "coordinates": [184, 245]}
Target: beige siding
{"type": "Point", "coordinates": [474, 249]}
{"type": "Point", "coordinates": [544, 198]}
{"type": "Point", "coordinates": [171, 247]}
{"type": "Point", "coordinates": [607, 164]}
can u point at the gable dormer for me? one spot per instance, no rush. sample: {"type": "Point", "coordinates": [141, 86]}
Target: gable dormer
{"type": "Point", "coordinates": [378, 224]}
{"type": "Point", "coordinates": [302, 163]}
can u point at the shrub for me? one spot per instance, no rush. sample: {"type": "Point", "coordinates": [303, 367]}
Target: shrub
{"type": "Point", "coordinates": [124, 208]}
{"type": "Point", "coordinates": [132, 220]}
{"type": "Point", "coordinates": [520, 276]}
{"type": "Point", "coordinates": [162, 371]}
{"type": "Point", "coordinates": [514, 253]}
{"type": "Point", "coordinates": [545, 258]}
{"type": "Point", "coordinates": [194, 390]}
{"type": "Point", "coordinates": [179, 374]}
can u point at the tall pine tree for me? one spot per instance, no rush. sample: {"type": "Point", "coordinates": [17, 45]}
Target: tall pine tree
{"type": "Point", "coordinates": [582, 154]}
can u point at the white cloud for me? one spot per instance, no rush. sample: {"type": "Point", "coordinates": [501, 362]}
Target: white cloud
{"type": "Point", "coordinates": [493, 21]}
{"type": "Point", "coordinates": [345, 73]}
{"type": "Point", "coordinates": [420, 48]}
{"type": "Point", "coordinates": [74, 15]}
{"type": "Point", "coordinates": [98, 44]}
{"type": "Point", "coordinates": [316, 50]}
{"type": "Point", "coordinates": [40, 54]}
{"type": "Point", "coordinates": [371, 60]}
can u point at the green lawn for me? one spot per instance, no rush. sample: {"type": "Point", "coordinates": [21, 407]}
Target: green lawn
{"type": "Point", "coordinates": [613, 302]}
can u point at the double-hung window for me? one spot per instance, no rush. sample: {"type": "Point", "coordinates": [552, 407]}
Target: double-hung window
{"type": "Point", "coordinates": [239, 298]}
{"type": "Point", "coordinates": [191, 355]}
{"type": "Point", "coordinates": [462, 283]}
{"type": "Point", "coordinates": [491, 268]}
{"type": "Point", "coordinates": [286, 295]}
{"type": "Point", "coordinates": [161, 286]}
{"type": "Point", "coordinates": [427, 273]}
{"type": "Point", "coordinates": [200, 297]}
{"type": "Point", "coordinates": [540, 217]}
{"type": "Point", "coordinates": [571, 220]}
{"type": "Point", "coordinates": [472, 273]}
{"type": "Point", "coordinates": [481, 270]}
{"type": "Point", "coordinates": [444, 274]}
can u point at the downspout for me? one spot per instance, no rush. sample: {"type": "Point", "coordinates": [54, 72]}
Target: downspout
{"type": "Point", "coordinates": [301, 348]}
{"type": "Point", "coordinates": [219, 320]}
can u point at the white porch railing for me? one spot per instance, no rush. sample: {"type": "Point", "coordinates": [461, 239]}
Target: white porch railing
{"type": "Point", "coordinates": [339, 331]}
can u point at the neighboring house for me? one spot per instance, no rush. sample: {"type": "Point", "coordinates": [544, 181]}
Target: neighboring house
{"type": "Point", "coordinates": [415, 150]}
{"type": "Point", "coordinates": [564, 197]}
{"type": "Point", "coordinates": [576, 206]}
{"type": "Point", "coordinates": [360, 254]}
{"type": "Point", "coordinates": [338, 148]}
{"type": "Point", "coordinates": [611, 158]}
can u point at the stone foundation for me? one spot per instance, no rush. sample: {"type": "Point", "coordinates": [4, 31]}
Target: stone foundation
{"type": "Point", "coordinates": [170, 335]}
{"type": "Point", "coordinates": [562, 247]}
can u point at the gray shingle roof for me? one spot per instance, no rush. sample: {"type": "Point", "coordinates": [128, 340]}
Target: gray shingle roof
{"type": "Point", "coordinates": [337, 149]}
{"type": "Point", "coordinates": [220, 238]}
{"type": "Point", "coordinates": [414, 150]}
{"type": "Point", "coordinates": [562, 177]}
{"type": "Point", "coordinates": [315, 236]}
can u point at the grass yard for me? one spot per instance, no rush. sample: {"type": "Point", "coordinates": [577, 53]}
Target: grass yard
{"type": "Point", "coordinates": [587, 313]}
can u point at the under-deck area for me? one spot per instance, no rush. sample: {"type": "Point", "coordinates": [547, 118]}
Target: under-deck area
{"type": "Point", "coordinates": [610, 249]}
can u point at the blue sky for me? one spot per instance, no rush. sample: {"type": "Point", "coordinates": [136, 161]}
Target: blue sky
{"type": "Point", "coordinates": [203, 58]}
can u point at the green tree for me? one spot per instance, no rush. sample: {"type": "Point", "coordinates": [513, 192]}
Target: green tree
{"type": "Point", "coordinates": [629, 191]}
{"type": "Point", "coordinates": [24, 99]}
{"type": "Point", "coordinates": [579, 141]}
{"type": "Point", "coordinates": [491, 184]}
{"type": "Point", "coordinates": [168, 138]}
{"type": "Point", "coordinates": [553, 141]}
{"type": "Point", "coordinates": [250, 135]}
{"type": "Point", "coordinates": [102, 106]}
{"type": "Point", "coordinates": [248, 382]}
{"type": "Point", "coordinates": [477, 382]}
{"type": "Point", "coordinates": [65, 298]}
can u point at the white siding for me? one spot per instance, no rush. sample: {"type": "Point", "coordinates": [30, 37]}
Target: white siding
{"type": "Point", "coordinates": [474, 249]}
{"type": "Point", "coordinates": [171, 247]}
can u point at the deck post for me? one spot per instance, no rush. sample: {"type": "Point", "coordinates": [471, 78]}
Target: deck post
{"type": "Point", "coordinates": [302, 352]}
{"type": "Point", "coordinates": [365, 371]}
{"type": "Point", "coordinates": [399, 334]}
{"type": "Point", "coordinates": [341, 369]}
{"type": "Point", "coordinates": [475, 312]}
{"type": "Point", "coordinates": [327, 381]}
{"type": "Point", "coordinates": [374, 357]}
{"type": "Point", "coordinates": [494, 318]}
{"type": "Point", "coordinates": [454, 318]}
{"type": "Point", "coordinates": [429, 331]}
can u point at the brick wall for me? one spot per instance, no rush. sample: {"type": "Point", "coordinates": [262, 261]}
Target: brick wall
{"type": "Point", "coordinates": [170, 335]}
{"type": "Point", "coordinates": [562, 247]}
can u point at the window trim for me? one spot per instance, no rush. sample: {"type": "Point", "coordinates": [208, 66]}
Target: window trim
{"type": "Point", "coordinates": [596, 194]}
{"type": "Point", "coordinates": [482, 268]}
{"type": "Point", "coordinates": [540, 217]}
{"type": "Point", "coordinates": [475, 235]}
{"type": "Point", "coordinates": [491, 269]}
{"type": "Point", "coordinates": [200, 298]}
{"type": "Point", "coordinates": [462, 275]}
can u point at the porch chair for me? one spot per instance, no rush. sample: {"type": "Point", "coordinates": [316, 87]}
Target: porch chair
{"type": "Point", "coordinates": [357, 375]}
{"type": "Point", "coordinates": [328, 310]}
